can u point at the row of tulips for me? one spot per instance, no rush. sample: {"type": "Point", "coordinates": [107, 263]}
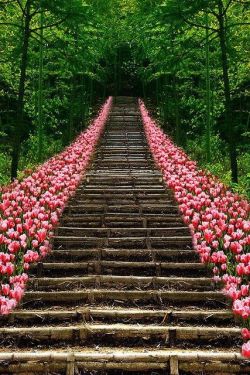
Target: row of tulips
{"type": "Point", "coordinates": [218, 219]}
{"type": "Point", "coordinates": [30, 210]}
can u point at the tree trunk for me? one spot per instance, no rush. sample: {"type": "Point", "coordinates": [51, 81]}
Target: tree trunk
{"type": "Point", "coordinates": [119, 72]}
{"type": "Point", "coordinates": [21, 92]}
{"type": "Point", "coordinates": [208, 97]}
{"type": "Point", "coordinates": [157, 91]}
{"type": "Point", "coordinates": [91, 96]}
{"type": "Point", "coordinates": [40, 92]}
{"type": "Point", "coordinates": [83, 101]}
{"type": "Point", "coordinates": [71, 112]}
{"type": "Point", "coordinates": [143, 89]}
{"type": "Point", "coordinates": [177, 111]}
{"type": "Point", "coordinates": [227, 94]}
{"type": "Point", "coordinates": [115, 74]}
{"type": "Point", "coordinates": [165, 100]}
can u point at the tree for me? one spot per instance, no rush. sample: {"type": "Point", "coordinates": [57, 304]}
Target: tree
{"type": "Point", "coordinates": [188, 59]}
{"type": "Point", "coordinates": [220, 11]}
{"type": "Point", "coordinates": [28, 13]}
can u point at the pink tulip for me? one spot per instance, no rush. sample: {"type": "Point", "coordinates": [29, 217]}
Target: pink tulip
{"type": "Point", "coordinates": [218, 219]}
{"type": "Point", "coordinates": [30, 209]}
{"type": "Point", "coordinates": [14, 247]}
{"type": "Point", "coordinates": [246, 349]}
{"type": "Point", "coordinates": [6, 289]}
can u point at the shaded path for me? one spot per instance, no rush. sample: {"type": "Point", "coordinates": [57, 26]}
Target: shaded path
{"type": "Point", "coordinates": [123, 288]}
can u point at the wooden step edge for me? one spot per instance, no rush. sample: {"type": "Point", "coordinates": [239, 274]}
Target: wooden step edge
{"type": "Point", "coordinates": [117, 199]}
{"type": "Point", "coordinates": [125, 176]}
{"type": "Point", "coordinates": [132, 229]}
{"type": "Point", "coordinates": [107, 157]}
{"type": "Point", "coordinates": [94, 294]}
{"type": "Point", "coordinates": [142, 161]}
{"type": "Point", "coordinates": [107, 354]}
{"type": "Point", "coordinates": [133, 215]}
{"type": "Point", "coordinates": [138, 252]}
{"type": "Point", "coordinates": [125, 149]}
{"type": "Point", "coordinates": [145, 283]}
{"type": "Point", "coordinates": [142, 205]}
{"type": "Point", "coordinates": [221, 363]}
{"type": "Point", "coordinates": [139, 193]}
{"type": "Point", "coordinates": [102, 222]}
{"type": "Point", "coordinates": [165, 201]}
{"type": "Point", "coordinates": [137, 188]}
{"type": "Point", "coordinates": [131, 190]}
{"type": "Point", "coordinates": [114, 209]}
{"type": "Point", "coordinates": [119, 264]}
{"type": "Point", "coordinates": [114, 217]}
{"type": "Point", "coordinates": [118, 279]}
{"type": "Point", "coordinates": [130, 238]}
{"type": "Point", "coordinates": [121, 197]}
{"type": "Point", "coordinates": [80, 333]}
{"type": "Point", "coordinates": [86, 330]}
{"type": "Point", "coordinates": [119, 313]}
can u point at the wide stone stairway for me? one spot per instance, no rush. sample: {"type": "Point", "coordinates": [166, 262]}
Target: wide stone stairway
{"type": "Point", "coordinates": [123, 291]}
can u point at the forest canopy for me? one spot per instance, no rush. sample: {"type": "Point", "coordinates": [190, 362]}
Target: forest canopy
{"type": "Point", "coordinates": [189, 60]}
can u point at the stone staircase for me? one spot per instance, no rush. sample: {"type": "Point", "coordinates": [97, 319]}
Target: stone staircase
{"type": "Point", "coordinates": [123, 291]}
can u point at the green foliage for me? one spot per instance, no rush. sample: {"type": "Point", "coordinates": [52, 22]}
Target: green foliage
{"type": "Point", "coordinates": [195, 62]}
{"type": "Point", "coordinates": [195, 147]}
{"type": "Point", "coordinates": [4, 168]}
{"type": "Point", "coordinates": [167, 51]}
{"type": "Point", "coordinates": [29, 155]}
{"type": "Point", "coordinates": [55, 101]}
{"type": "Point", "coordinates": [220, 163]}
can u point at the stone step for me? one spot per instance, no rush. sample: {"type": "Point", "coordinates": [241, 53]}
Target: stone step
{"type": "Point", "coordinates": [180, 255]}
{"type": "Point", "coordinates": [178, 231]}
{"type": "Point", "coordinates": [121, 282]}
{"type": "Point", "coordinates": [195, 361]}
{"type": "Point", "coordinates": [101, 313]}
{"type": "Point", "coordinates": [167, 335]}
{"type": "Point", "coordinates": [123, 290]}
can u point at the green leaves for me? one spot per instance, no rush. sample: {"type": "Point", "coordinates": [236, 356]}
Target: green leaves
{"type": "Point", "coordinates": [156, 47]}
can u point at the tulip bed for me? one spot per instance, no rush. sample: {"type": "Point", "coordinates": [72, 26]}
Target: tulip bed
{"type": "Point", "coordinates": [30, 210]}
{"type": "Point", "coordinates": [218, 219]}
